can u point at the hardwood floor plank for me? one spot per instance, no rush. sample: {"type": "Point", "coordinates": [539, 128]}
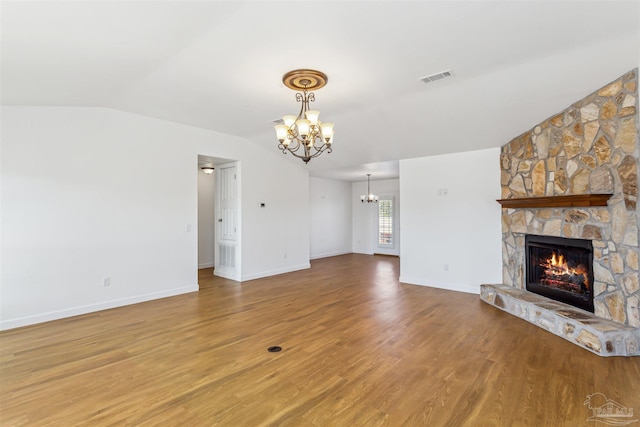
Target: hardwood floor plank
{"type": "Point", "coordinates": [358, 349]}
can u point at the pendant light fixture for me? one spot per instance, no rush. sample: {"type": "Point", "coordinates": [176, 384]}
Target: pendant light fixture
{"type": "Point", "coordinates": [304, 135]}
{"type": "Point", "coordinates": [369, 198]}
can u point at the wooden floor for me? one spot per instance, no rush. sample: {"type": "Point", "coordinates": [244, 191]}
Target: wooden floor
{"type": "Point", "coordinates": [358, 349]}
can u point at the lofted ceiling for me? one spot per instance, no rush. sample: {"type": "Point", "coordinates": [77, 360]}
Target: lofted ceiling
{"type": "Point", "coordinates": [219, 65]}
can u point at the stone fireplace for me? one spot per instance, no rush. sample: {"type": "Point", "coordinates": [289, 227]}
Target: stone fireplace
{"type": "Point", "coordinates": [575, 176]}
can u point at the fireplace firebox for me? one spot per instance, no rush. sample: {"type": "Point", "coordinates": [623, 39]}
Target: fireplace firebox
{"type": "Point", "coordinates": [560, 269]}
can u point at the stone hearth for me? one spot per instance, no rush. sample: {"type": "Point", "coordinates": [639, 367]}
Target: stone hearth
{"type": "Point", "coordinates": [600, 336]}
{"type": "Point", "coordinates": [590, 148]}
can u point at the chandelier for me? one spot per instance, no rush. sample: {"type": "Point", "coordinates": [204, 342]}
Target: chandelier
{"type": "Point", "coordinates": [304, 135]}
{"type": "Point", "coordinates": [369, 198]}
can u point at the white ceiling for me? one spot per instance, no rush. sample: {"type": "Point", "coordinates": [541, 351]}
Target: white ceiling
{"type": "Point", "coordinates": [219, 64]}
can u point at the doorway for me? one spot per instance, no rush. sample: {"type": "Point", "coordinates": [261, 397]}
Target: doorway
{"type": "Point", "coordinates": [386, 227]}
{"type": "Point", "coordinates": [206, 213]}
{"type": "Point", "coordinates": [219, 216]}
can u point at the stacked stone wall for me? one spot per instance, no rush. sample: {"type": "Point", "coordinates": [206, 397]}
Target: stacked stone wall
{"type": "Point", "coordinates": [589, 148]}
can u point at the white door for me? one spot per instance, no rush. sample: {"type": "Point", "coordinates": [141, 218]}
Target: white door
{"type": "Point", "coordinates": [386, 231]}
{"type": "Point", "coordinates": [228, 224]}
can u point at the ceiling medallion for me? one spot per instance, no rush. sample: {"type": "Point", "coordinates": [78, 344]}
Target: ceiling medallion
{"type": "Point", "coordinates": [304, 135]}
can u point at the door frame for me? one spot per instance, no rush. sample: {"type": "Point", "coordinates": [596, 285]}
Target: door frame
{"type": "Point", "coordinates": [395, 248]}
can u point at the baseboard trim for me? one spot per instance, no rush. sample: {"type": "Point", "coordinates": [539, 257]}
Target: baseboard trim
{"type": "Point", "coordinates": [276, 272]}
{"type": "Point", "coordinates": [220, 272]}
{"type": "Point", "coordinates": [362, 253]}
{"type": "Point", "coordinates": [206, 265]}
{"type": "Point", "coordinates": [91, 308]}
{"type": "Point", "coordinates": [445, 286]}
{"type": "Point", "coordinates": [330, 254]}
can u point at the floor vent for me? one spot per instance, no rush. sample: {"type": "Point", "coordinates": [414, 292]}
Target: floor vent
{"type": "Point", "coordinates": [437, 76]}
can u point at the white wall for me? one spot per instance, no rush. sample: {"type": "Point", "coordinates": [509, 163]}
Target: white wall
{"type": "Point", "coordinates": [364, 215]}
{"type": "Point", "coordinates": [461, 230]}
{"type": "Point", "coordinates": [92, 192]}
{"type": "Point", "coordinates": [275, 239]}
{"type": "Point", "coordinates": [206, 219]}
{"type": "Point", "coordinates": [330, 203]}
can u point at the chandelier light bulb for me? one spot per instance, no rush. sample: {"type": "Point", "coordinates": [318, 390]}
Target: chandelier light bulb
{"type": "Point", "coordinates": [282, 132]}
{"type": "Point", "coordinates": [289, 120]}
{"type": "Point", "coordinates": [327, 132]}
{"type": "Point", "coordinates": [313, 116]}
{"type": "Point", "coordinates": [303, 126]}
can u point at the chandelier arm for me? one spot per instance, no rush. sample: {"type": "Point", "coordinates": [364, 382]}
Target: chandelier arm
{"type": "Point", "coordinates": [294, 145]}
{"type": "Point", "coordinates": [304, 97]}
{"type": "Point", "coordinates": [309, 147]}
{"type": "Point", "coordinates": [316, 138]}
{"type": "Point", "coordinates": [301, 99]}
{"type": "Point", "coordinates": [307, 154]}
{"type": "Point", "coordinates": [318, 150]}
{"type": "Point", "coordinates": [293, 133]}
{"type": "Point", "coordinates": [324, 148]}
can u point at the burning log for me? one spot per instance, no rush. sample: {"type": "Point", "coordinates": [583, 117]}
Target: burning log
{"type": "Point", "coordinates": [558, 274]}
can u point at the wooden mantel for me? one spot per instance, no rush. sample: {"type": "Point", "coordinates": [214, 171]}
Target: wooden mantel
{"type": "Point", "coordinates": [574, 200]}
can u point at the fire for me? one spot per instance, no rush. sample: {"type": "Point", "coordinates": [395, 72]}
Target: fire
{"type": "Point", "coordinates": [558, 273]}
{"type": "Point", "coordinates": [558, 261]}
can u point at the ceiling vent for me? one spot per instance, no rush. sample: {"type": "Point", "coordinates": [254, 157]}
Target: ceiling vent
{"type": "Point", "coordinates": [437, 76]}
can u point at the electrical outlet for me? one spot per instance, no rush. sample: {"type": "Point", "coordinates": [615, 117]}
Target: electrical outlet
{"type": "Point", "coordinates": [285, 255]}
{"type": "Point", "coordinates": [106, 281]}
{"type": "Point", "coordinates": [446, 267]}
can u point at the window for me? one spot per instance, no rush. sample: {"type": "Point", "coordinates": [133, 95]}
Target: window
{"type": "Point", "coordinates": [385, 222]}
